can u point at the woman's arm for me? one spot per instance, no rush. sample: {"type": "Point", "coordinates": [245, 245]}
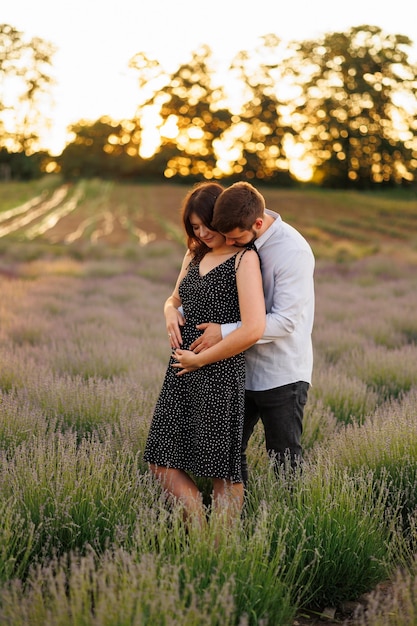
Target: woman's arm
{"type": "Point", "coordinates": [174, 318]}
{"type": "Point", "coordinates": [252, 312]}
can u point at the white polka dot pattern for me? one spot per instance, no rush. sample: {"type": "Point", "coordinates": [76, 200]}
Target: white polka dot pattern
{"type": "Point", "coordinates": [198, 419]}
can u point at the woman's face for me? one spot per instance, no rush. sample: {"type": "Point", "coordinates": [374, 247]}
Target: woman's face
{"type": "Point", "coordinates": [211, 238]}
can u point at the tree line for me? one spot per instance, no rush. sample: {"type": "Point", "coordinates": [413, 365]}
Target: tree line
{"type": "Point", "coordinates": [339, 111]}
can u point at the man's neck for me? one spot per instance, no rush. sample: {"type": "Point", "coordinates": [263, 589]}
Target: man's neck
{"type": "Point", "coordinates": [268, 220]}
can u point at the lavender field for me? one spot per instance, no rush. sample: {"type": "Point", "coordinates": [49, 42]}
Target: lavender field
{"type": "Point", "coordinates": [86, 536]}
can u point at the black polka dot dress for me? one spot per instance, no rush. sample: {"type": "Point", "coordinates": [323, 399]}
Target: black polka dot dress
{"type": "Point", "coordinates": [198, 419]}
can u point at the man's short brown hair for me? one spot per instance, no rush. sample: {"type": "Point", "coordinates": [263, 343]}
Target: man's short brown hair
{"type": "Point", "coordinates": [238, 207]}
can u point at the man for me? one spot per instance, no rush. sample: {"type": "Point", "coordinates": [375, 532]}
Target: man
{"type": "Point", "coordinates": [279, 366]}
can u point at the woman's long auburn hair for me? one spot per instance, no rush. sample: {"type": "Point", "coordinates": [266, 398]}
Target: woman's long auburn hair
{"type": "Point", "coordinates": [200, 200]}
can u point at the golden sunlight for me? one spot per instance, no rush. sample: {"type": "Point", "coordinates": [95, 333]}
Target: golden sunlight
{"type": "Point", "coordinates": [300, 165]}
{"type": "Point", "coordinates": [150, 137]}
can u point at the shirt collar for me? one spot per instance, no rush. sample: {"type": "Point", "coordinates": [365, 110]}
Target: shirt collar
{"type": "Point", "coordinates": [275, 226]}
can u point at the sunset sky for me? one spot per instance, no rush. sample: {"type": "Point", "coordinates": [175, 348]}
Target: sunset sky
{"type": "Point", "coordinates": [96, 39]}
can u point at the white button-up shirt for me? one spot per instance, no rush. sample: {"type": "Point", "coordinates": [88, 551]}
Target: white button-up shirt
{"type": "Point", "coordinates": [284, 354]}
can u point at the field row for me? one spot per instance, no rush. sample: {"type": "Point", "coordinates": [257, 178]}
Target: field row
{"type": "Point", "coordinates": [341, 226]}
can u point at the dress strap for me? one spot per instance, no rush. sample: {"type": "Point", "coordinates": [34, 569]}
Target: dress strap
{"type": "Point", "coordinates": [239, 255]}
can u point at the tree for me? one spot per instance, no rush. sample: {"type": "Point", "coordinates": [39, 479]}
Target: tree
{"type": "Point", "coordinates": [343, 106]}
{"type": "Point", "coordinates": [262, 118]}
{"type": "Point", "coordinates": [103, 149]}
{"type": "Point", "coordinates": [189, 112]}
{"type": "Point", "coordinates": [94, 151]}
{"type": "Point", "coordinates": [25, 80]}
{"type": "Point", "coordinates": [356, 112]}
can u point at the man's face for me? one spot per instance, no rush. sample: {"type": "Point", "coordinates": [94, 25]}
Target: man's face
{"type": "Point", "coordinates": [240, 238]}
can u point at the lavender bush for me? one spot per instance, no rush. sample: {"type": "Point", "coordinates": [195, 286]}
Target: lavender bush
{"type": "Point", "coordinates": [87, 536]}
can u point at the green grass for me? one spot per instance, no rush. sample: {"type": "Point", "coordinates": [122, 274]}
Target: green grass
{"type": "Point", "coordinates": [88, 538]}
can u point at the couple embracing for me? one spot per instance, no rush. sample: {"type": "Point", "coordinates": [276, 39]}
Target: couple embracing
{"type": "Point", "coordinates": [239, 323]}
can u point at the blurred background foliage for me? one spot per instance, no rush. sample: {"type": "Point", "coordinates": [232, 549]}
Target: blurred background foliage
{"type": "Point", "coordinates": [337, 112]}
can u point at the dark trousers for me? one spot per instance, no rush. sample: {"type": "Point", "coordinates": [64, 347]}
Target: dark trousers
{"type": "Point", "coordinates": [281, 410]}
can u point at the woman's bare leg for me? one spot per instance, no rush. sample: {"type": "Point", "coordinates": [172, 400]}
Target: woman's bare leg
{"type": "Point", "coordinates": [180, 486]}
